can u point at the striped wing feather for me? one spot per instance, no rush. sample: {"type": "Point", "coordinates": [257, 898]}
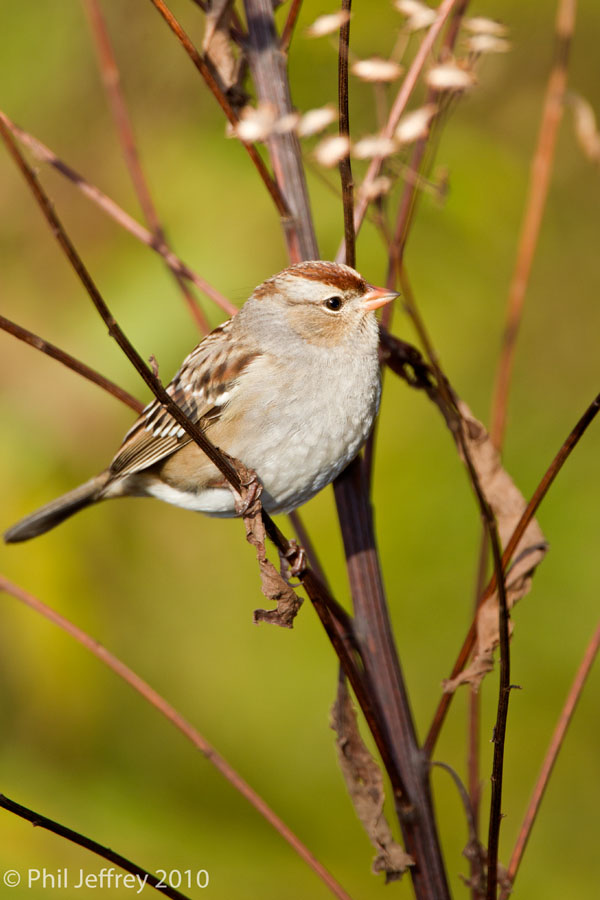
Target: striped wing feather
{"type": "Point", "coordinates": [201, 388]}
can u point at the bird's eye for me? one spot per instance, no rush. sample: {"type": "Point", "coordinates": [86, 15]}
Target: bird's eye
{"type": "Point", "coordinates": [333, 303]}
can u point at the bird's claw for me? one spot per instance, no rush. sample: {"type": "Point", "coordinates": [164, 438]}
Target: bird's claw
{"type": "Point", "coordinates": [293, 561]}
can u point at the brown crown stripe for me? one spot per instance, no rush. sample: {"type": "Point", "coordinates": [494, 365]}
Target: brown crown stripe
{"type": "Point", "coordinates": [345, 279]}
{"type": "Point", "coordinates": [340, 277]}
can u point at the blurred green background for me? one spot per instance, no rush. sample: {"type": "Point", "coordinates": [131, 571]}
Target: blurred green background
{"type": "Point", "coordinates": [172, 594]}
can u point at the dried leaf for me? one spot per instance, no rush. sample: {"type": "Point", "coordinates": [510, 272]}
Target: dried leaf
{"type": "Point", "coordinates": [415, 125]}
{"type": "Point", "coordinates": [481, 25]}
{"type": "Point", "coordinates": [315, 120]}
{"type": "Point", "coordinates": [331, 149]}
{"type": "Point", "coordinates": [487, 43]}
{"type": "Point", "coordinates": [373, 145]}
{"type": "Point", "coordinates": [508, 504]}
{"type": "Point", "coordinates": [419, 15]}
{"type": "Point", "coordinates": [365, 785]}
{"type": "Point", "coordinates": [377, 69]}
{"type": "Point", "coordinates": [586, 128]}
{"type": "Point", "coordinates": [328, 24]}
{"type": "Point", "coordinates": [273, 586]}
{"type": "Point", "coordinates": [219, 53]}
{"type": "Point", "coordinates": [449, 77]}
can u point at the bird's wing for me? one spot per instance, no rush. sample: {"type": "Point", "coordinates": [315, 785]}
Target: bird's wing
{"type": "Point", "coordinates": [201, 388]}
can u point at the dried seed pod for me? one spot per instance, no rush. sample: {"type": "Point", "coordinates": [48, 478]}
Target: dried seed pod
{"type": "Point", "coordinates": [328, 24]}
{"type": "Point", "coordinates": [331, 150]}
{"type": "Point", "coordinates": [377, 69]}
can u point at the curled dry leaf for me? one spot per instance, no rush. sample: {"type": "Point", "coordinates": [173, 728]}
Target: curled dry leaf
{"type": "Point", "coordinates": [449, 77]}
{"type": "Point", "coordinates": [365, 785]}
{"type": "Point", "coordinates": [415, 125]}
{"type": "Point", "coordinates": [374, 145]}
{"type": "Point", "coordinates": [273, 586]}
{"type": "Point", "coordinates": [218, 50]}
{"type": "Point", "coordinates": [418, 15]}
{"type": "Point", "coordinates": [508, 504]}
{"type": "Point", "coordinates": [586, 128]}
{"type": "Point", "coordinates": [331, 150]}
{"type": "Point", "coordinates": [481, 25]}
{"type": "Point", "coordinates": [377, 69]}
{"type": "Point", "coordinates": [487, 43]}
{"type": "Point", "coordinates": [328, 24]}
{"type": "Point", "coordinates": [315, 120]}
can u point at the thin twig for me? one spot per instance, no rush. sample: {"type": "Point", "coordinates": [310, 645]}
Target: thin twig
{"type": "Point", "coordinates": [111, 78]}
{"type": "Point", "coordinates": [345, 165]}
{"type": "Point", "coordinates": [71, 362]}
{"type": "Point", "coordinates": [112, 209]}
{"type": "Point", "coordinates": [223, 102]}
{"type": "Point", "coordinates": [176, 719]}
{"type": "Point", "coordinates": [290, 24]}
{"type": "Point", "coordinates": [400, 104]}
{"type": "Point", "coordinates": [143, 877]}
{"type": "Point", "coordinates": [473, 851]}
{"type": "Point", "coordinates": [499, 735]}
{"type": "Point", "coordinates": [552, 753]}
{"type": "Point", "coordinates": [541, 170]}
{"type": "Point", "coordinates": [528, 513]}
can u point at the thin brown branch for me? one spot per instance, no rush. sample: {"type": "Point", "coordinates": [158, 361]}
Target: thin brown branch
{"type": "Point", "coordinates": [108, 206]}
{"type": "Point", "coordinates": [71, 362]}
{"type": "Point", "coordinates": [195, 56]}
{"type": "Point", "coordinates": [268, 66]}
{"type": "Point", "coordinates": [499, 736]}
{"type": "Point", "coordinates": [111, 78]}
{"type": "Point", "coordinates": [528, 513]}
{"type": "Point", "coordinates": [290, 24]}
{"type": "Point", "coordinates": [344, 129]}
{"type": "Point", "coordinates": [176, 719]}
{"type": "Point", "coordinates": [399, 106]}
{"type": "Point", "coordinates": [474, 722]}
{"type": "Point", "coordinates": [541, 170]}
{"type": "Point", "coordinates": [141, 876]}
{"type": "Point", "coordinates": [552, 753]}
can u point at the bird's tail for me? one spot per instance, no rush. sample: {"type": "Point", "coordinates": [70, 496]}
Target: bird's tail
{"type": "Point", "coordinates": [57, 511]}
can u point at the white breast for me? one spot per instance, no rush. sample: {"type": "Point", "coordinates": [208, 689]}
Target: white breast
{"type": "Point", "coordinates": [298, 446]}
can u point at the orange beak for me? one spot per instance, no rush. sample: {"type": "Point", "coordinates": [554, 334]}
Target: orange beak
{"type": "Point", "coordinates": [376, 297]}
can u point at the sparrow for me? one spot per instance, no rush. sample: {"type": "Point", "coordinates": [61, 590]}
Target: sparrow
{"type": "Point", "coordinates": [290, 386]}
